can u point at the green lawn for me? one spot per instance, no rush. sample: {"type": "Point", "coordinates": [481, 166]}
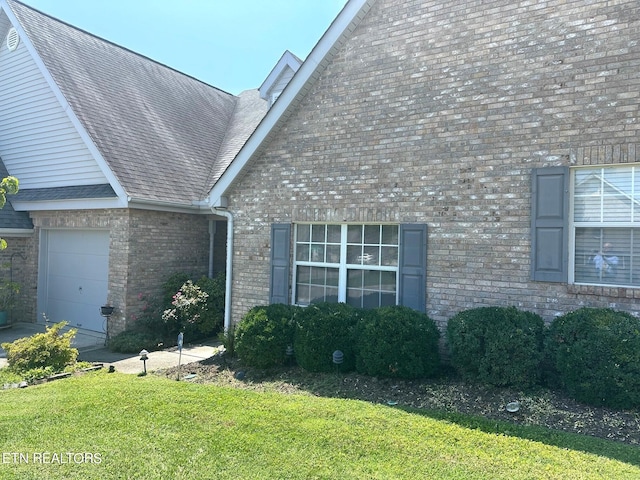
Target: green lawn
{"type": "Point", "coordinates": [114, 426]}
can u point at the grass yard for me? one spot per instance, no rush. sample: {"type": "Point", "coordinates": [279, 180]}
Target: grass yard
{"type": "Point", "coordinates": [114, 426]}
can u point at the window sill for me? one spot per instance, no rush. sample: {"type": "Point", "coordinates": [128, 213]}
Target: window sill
{"type": "Point", "coordinates": [605, 291]}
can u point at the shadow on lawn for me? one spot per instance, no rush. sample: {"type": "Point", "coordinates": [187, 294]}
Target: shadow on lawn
{"type": "Point", "coordinates": [571, 441]}
{"type": "Point", "coordinates": [558, 421]}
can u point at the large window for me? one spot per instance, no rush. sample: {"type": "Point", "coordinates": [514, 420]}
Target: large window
{"type": "Point", "coordinates": [606, 220]}
{"type": "Point", "coordinates": [356, 264]}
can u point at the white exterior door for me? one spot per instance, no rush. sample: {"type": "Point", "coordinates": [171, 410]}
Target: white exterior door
{"type": "Point", "coordinates": [74, 272]}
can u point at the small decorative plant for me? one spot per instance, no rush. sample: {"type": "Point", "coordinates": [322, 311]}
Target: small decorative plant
{"type": "Point", "coordinates": [187, 306]}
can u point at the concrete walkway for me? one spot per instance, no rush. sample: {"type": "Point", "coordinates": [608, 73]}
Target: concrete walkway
{"type": "Point", "coordinates": [91, 348]}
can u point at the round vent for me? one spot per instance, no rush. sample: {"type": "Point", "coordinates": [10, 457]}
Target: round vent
{"type": "Point", "coordinates": [12, 39]}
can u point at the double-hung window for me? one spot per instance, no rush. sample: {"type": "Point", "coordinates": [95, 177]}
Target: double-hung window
{"type": "Point", "coordinates": [606, 225]}
{"type": "Point", "coordinates": [365, 265]}
{"type": "Point", "coordinates": [355, 264]}
{"type": "Point", "coordinates": [586, 231]}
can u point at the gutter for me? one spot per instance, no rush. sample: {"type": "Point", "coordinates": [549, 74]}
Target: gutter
{"type": "Point", "coordinates": [222, 211]}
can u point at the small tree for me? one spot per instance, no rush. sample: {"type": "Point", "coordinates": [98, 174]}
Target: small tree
{"type": "Point", "coordinates": [8, 186]}
{"type": "Point", "coordinates": [188, 304]}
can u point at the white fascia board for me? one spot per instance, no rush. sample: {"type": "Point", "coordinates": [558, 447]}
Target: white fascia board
{"type": "Point", "coordinates": [296, 86]}
{"type": "Point", "coordinates": [159, 205]}
{"type": "Point", "coordinates": [86, 138]}
{"type": "Point", "coordinates": [287, 60]}
{"type": "Point", "coordinates": [70, 204]}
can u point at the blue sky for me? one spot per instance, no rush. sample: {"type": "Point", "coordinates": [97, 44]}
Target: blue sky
{"type": "Point", "coordinates": [231, 44]}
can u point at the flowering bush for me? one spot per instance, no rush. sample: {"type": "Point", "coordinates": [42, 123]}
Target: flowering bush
{"type": "Point", "coordinates": [188, 304]}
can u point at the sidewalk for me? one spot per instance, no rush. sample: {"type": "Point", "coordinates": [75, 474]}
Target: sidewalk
{"type": "Point", "coordinates": [91, 348]}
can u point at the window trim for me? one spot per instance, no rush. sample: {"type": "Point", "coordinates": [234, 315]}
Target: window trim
{"type": "Point", "coordinates": [343, 267]}
{"type": "Point", "coordinates": [574, 226]}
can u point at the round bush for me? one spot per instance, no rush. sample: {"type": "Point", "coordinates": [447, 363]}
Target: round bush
{"type": "Point", "coordinates": [498, 346]}
{"type": "Point", "coordinates": [397, 342]}
{"type": "Point", "coordinates": [263, 334]}
{"type": "Point", "coordinates": [595, 355]}
{"type": "Point", "coordinates": [321, 329]}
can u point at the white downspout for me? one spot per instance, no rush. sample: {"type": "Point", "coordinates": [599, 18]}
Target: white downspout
{"type": "Point", "coordinates": [229, 268]}
{"type": "Point", "coordinates": [212, 233]}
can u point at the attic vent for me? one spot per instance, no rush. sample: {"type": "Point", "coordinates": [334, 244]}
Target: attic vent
{"type": "Point", "coordinates": [12, 39]}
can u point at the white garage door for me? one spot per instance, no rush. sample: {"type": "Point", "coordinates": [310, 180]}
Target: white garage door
{"type": "Point", "coordinates": [74, 276]}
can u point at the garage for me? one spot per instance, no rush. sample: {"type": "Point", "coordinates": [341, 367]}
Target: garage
{"type": "Point", "coordinates": [73, 277]}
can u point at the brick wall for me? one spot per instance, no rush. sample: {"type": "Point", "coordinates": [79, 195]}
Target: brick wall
{"type": "Point", "coordinates": [17, 264]}
{"type": "Point", "coordinates": [145, 248]}
{"type": "Point", "coordinates": [437, 112]}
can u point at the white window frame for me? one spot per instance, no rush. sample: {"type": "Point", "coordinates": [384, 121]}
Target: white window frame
{"type": "Point", "coordinates": [342, 265]}
{"type": "Point", "coordinates": [576, 225]}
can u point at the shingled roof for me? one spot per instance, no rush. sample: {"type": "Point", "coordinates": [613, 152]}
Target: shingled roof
{"type": "Point", "coordinates": [166, 136]}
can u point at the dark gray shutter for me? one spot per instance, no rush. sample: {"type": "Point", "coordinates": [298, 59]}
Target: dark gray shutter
{"type": "Point", "coordinates": [413, 267]}
{"type": "Point", "coordinates": [280, 258]}
{"type": "Point", "coordinates": [549, 224]}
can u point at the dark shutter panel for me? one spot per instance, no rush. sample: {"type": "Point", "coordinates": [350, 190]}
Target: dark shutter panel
{"type": "Point", "coordinates": [413, 267]}
{"type": "Point", "coordinates": [549, 224]}
{"type": "Point", "coordinates": [280, 258]}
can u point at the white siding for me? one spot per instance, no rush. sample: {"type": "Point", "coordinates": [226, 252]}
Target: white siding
{"type": "Point", "coordinates": [38, 142]}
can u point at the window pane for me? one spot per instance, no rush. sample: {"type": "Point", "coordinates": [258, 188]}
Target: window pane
{"type": "Point", "coordinates": [302, 296]}
{"type": "Point", "coordinates": [317, 233]}
{"type": "Point", "coordinates": [618, 180]}
{"type": "Point", "coordinates": [354, 255]}
{"type": "Point", "coordinates": [605, 194]}
{"type": "Point", "coordinates": [371, 256]}
{"type": "Point", "coordinates": [389, 256]}
{"type": "Point", "coordinates": [354, 234]}
{"type": "Point", "coordinates": [317, 253]}
{"type": "Point", "coordinates": [372, 234]}
{"type": "Point", "coordinates": [371, 279]}
{"type": "Point", "coordinates": [333, 234]}
{"type": "Point", "coordinates": [616, 208]}
{"type": "Point", "coordinates": [333, 277]}
{"type": "Point", "coordinates": [302, 253]}
{"type": "Point", "coordinates": [354, 279]}
{"type": "Point", "coordinates": [606, 256]}
{"type": "Point", "coordinates": [354, 297]}
{"type": "Point", "coordinates": [316, 294]}
{"type": "Point", "coordinates": [588, 208]}
{"type": "Point", "coordinates": [388, 282]}
{"type": "Point", "coordinates": [390, 234]}
{"type": "Point", "coordinates": [303, 233]}
{"type": "Point", "coordinates": [333, 253]}
{"type": "Point", "coordinates": [304, 274]}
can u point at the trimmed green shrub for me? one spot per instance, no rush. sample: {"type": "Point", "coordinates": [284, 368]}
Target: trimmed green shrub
{"type": "Point", "coordinates": [321, 329]}
{"type": "Point", "coordinates": [397, 342]}
{"type": "Point", "coordinates": [594, 354]}
{"type": "Point", "coordinates": [498, 346]}
{"type": "Point", "coordinates": [263, 335]}
{"type": "Point", "coordinates": [50, 349]}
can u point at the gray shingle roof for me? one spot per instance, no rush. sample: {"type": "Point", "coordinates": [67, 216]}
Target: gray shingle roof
{"type": "Point", "coordinates": [159, 130]}
{"type": "Point", "coordinates": [65, 193]}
